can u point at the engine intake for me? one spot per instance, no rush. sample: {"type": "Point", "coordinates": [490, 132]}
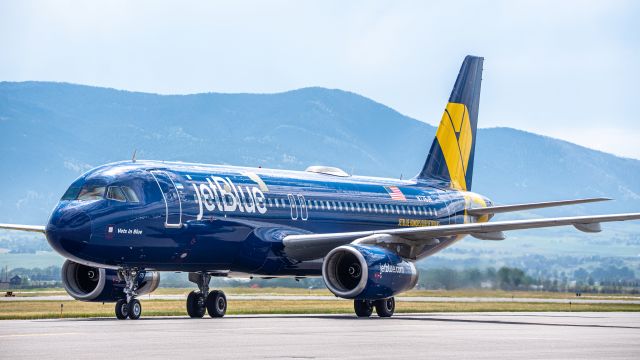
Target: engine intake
{"type": "Point", "coordinates": [367, 272]}
{"type": "Point", "coordinates": [89, 283]}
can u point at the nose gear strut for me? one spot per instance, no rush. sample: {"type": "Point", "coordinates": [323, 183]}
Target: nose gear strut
{"type": "Point", "coordinates": [129, 307]}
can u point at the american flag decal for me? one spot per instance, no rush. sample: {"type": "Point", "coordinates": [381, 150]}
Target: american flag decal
{"type": "Point", "coordinates": [395, 193]}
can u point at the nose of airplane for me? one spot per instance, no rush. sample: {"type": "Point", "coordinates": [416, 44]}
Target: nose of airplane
{"type": "Point", "coordinates": [68, 231]}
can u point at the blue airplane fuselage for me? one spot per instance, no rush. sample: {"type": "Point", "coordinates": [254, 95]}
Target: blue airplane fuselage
{"type": "Point", "coordinates": [195, 217]}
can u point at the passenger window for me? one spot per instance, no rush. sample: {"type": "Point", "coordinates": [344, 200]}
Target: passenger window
{"type": "Point", "coordinates": [131, 195]}
{"type": "Point", "coordinates": [115, 193]}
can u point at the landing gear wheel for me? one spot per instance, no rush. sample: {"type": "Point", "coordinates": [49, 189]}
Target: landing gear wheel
{"type": "Point", "coordinates": [385, 307]}
{"type": "Point", "coordinates": [122, 309]}
{"type": "Point", "coordinates": [363, 308]}
{"type": "Point", "coordinates": [135, 309]}
{"type": "Point", "coordinates": [196, 305]}
{"type": "Point", "coordinates": [216, 304]}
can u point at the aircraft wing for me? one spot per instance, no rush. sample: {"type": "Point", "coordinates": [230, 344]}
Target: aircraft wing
{"type": "Point", "coordinates": [529, 206]}
{"type": "Point", "coordinates": [313, 246]}
{"type": "Point", "coordinates": [31, 228]}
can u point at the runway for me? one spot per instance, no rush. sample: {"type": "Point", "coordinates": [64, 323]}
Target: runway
{"type": "Point", "coordinates": [450, 335]}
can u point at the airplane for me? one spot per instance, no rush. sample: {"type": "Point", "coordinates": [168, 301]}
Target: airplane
{"type": "Point", "coordinates": [121, 224]}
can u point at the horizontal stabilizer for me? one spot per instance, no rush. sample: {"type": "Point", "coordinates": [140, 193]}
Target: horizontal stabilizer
{"type": "Point", "coordinates": [529, 206]}
{"type": "Point", "coordinates": [31, 228]}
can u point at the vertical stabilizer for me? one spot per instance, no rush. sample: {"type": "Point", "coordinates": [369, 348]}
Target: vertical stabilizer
{"type": "Point", "coordinates": [451, 155]}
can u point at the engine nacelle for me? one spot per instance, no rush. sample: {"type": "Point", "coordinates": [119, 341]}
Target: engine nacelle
{"type": "Point", "coordinates": [367, 272]}
{"type": "Point", "coordinates": [88, 283]}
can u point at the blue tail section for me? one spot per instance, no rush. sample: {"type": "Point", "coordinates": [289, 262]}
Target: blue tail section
{"type": "Point", "coordinates": [451, 155]}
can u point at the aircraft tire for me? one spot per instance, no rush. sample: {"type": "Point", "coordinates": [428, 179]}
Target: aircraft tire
{"type": "Point", "coordinates": [122, 309]}
{"type": "Point", "coordinates": [216, 304]}
{"type": "Point", "coordinates": [385, 307]}
{"type": "Point", "coordinates": [196, 305]}
{"type": "Point", "coordinates": [363, 308]}
{"type": "Point", "coordinates": [135, 309]}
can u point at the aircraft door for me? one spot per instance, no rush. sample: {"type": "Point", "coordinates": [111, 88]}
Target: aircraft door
{"type": "Point", "coordinates": [294, 207]}
{"type": "Point", "coordinates": [171, 197]}
{"type": "Point", "coordinates": [304, 213]}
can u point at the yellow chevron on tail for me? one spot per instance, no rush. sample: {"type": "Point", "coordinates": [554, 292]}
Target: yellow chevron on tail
{"type": "Point", "coordinates": [455, 138]}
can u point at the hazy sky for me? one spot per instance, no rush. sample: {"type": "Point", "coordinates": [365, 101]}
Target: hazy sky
{"type": "Point", "coordinates": [568, 69]}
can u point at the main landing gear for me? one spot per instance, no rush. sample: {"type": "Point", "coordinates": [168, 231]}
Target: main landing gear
{"type": "Point", "coordinates": [129, 307]}
{"type": "Point", "coordinates": [384, 307]}
{"type": "Point", "coordinates": [201, 301]}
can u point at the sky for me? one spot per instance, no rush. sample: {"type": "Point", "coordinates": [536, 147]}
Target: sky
{"type": "Point", "coordinates": [566, 69]}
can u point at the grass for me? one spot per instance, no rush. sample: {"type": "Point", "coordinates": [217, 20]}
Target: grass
{"type": "Point", "coordinates": [77, 309]}
{"type": "Point", "coordinates": [323, 291]}
{"type": "Point", "coordinates": [74, 309]}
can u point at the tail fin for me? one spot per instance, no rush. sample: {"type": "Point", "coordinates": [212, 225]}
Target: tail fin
{"type": "Point", "coordinates": [451, 156]}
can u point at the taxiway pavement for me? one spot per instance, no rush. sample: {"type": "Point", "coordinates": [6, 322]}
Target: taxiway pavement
{"type": "Point", "coordinates": [443, 336]}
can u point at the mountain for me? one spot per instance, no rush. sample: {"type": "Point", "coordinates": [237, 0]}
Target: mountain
{"type": "Point", "coordinates": [50, 133]}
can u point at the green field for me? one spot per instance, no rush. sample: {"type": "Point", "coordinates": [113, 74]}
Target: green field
{"type": "Point", "coordinates": [75, 309]}
{"type": "Point", "coordinates": [72, 309]}
{"type": "Point", "coordinates": [325, 292]}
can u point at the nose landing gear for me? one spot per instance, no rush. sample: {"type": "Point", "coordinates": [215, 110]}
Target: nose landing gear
{"type": "Point", "coordinates": [129, 307]}
{"type": "Point", "coordinates": [201, 301]}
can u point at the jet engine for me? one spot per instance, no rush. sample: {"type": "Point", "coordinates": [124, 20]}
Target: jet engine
{"type": "Point", "coordinates": [89, 283]}
{"type": "Point", "coordinates": [367, 272]}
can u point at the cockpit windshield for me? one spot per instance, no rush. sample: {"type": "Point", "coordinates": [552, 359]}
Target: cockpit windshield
{"type": "Point", "coordinates": [85, 190]}
{"type": "Point", "coordinates": [96, 189]}
{"type": "Point", "coordinates": [91, 192]}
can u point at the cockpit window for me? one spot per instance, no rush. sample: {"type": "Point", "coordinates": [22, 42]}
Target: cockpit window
{"type": "Point", "coordinates": [71, 193]}
{"type": "Point", "coordinates": [131, 195]}
{"type": "Point", "coordinates": [91, 192]}
{"type": "Point", "coordinates": [115, 193]}
{"type": "Point", "coordinates": [73, 190]}
{"type": "Point", "coordinates": [122, 193]}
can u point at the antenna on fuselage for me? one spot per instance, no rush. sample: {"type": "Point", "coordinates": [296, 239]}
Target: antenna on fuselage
{"type": "Point", "coordinates": [133, 158]}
